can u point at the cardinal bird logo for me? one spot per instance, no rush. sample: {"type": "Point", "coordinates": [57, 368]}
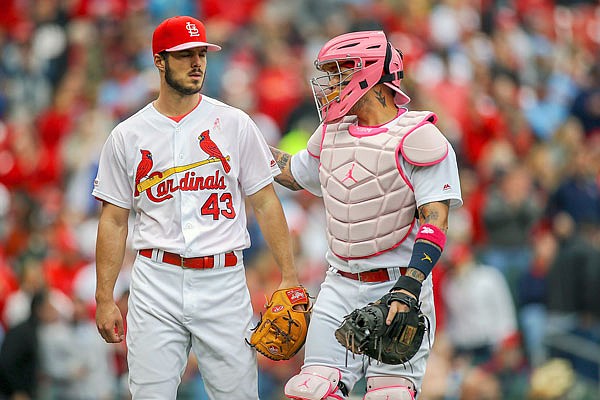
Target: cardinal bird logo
{"type": "Point", "coordinates": [211, 148]}
{"type": "Point", "coordinates": [143, 168]}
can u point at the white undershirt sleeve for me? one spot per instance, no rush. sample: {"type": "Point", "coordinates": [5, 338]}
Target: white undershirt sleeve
{"type": "Point", "coordinates": [436, 182]}
{"type": "Point", "coordinates": [305, 170]}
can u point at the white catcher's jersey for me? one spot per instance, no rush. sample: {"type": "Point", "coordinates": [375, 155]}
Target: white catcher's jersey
{"type": "Point", "coordinates": [186, 180]}
{"type": "Point", "coordinates": [432, 183]}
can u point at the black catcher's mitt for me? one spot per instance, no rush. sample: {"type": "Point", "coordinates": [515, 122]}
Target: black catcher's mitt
{"type": "Point", "coordinates": [364, 331]}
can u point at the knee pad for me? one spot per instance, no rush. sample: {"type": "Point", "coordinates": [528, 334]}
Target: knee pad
{"type": "Point", "coordinates": [389, 388]}
{"type": "Point", "coordinates": [314, 383]}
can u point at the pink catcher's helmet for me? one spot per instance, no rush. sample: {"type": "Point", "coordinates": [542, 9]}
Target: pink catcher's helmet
{"type": "Point", "coordinates": [360, 61]}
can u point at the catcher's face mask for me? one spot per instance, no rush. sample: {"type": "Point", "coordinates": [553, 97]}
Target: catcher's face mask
{"type": "Point", "coordinates": [328, 87]}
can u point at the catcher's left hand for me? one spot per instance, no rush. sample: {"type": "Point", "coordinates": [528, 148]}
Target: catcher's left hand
{"type": "Point", "coordinates": [364, 331]}
{"type": "Point", "coordinates": [282, 329]}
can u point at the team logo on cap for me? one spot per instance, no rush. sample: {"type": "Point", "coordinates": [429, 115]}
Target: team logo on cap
{"type": "Point", "coordinates": [192, 29]}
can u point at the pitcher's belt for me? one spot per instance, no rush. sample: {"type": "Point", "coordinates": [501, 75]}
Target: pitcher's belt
{"type": "Point", "coordinates": [194, 262]}
{"type": "Point", "coordinates": [374, 275]}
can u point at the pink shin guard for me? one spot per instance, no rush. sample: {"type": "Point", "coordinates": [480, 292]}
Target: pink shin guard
{"type": "Point", "coordinates": [315, 383]}
{"type": "Point", "coordinates": [389, 388]}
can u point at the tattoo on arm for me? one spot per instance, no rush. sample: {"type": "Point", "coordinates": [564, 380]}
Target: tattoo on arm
{"type": "Point", "coordinates": [380, 97]}
{"type": "Point", "coordinates": [435, 213]}
{"type": "Point", "coordinates": [415, 274]}
{"type": "Point", "coordinates": [286, 178]}
{"type": "Point", "coordinates": [283, 160]}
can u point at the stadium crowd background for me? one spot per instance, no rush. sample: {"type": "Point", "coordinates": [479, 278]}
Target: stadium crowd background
{"type": "Point", "coordinates": [516, 86]}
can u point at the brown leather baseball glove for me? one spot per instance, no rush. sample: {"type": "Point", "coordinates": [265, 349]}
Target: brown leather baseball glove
{"type": "Point", "coordinates": [282, 329]}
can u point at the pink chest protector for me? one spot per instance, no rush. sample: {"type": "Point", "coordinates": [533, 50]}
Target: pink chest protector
{"type": "Point", "coordinates": [370, 204]}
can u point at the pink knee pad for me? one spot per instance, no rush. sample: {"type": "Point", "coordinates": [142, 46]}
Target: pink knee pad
{"type": "Point", "coordinates": [389, 388]}
{"type": "Point", "coordinates": [314, 383]}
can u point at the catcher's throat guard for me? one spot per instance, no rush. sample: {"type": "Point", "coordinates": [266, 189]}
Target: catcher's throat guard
{"type": "Point", "coordinates": [281, 332]}
{"type": "Point", "coordinates": [365, 332]}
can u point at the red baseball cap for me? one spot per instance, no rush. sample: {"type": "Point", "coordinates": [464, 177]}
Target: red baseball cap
{"type": "Point", "coordinates": [180, 33]}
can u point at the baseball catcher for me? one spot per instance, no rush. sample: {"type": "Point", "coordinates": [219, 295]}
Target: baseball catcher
{"type": "Point", "coordinates": [282, 329]}
{"type": "Point", "coordinates": [364, 331]}
{"type": "Point", "coordinates": [388, 178]}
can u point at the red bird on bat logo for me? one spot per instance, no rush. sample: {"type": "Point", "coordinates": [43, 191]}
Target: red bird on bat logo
{"type": "Point", "coordinates": [143, 168]}
{"type": "Point", "coordinates": [210, 148]}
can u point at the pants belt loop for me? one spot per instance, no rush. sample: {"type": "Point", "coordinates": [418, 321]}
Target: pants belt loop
{"type": "Point", "coordinates": [219, 260]}
{"type": "Point", "coordinates": [157, 255]}
{"type": "Point", "coordinates": [394, 273]}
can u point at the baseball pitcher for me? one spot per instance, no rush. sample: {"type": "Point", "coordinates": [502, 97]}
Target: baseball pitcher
{"type": "Point", "coordinates": [184, 164]}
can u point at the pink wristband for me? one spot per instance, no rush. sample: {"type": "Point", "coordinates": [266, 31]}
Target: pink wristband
{"type": "Point", "coordinates": [432, 234]}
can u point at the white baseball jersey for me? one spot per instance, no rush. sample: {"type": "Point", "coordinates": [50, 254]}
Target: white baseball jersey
{"type": "Point", "coordinates": [186, 202]}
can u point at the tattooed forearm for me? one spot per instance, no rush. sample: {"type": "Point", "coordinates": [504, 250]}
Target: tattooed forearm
{"type": "Point", "coordinates": [415, 274]}
{"type": "Point", "coordinates": [286, 178]}
{"type": "Point", "coordinates": [283, 160]}
{"type": "Point", "coordinates": [288, 181]}
{"type": "Point", "coordinates": [435, 213]}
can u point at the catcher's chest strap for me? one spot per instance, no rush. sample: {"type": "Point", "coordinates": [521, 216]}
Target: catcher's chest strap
{"type": "Point", "coordinates": [343, 388]}
{"type": "Point", "coordinates": [374, 275]}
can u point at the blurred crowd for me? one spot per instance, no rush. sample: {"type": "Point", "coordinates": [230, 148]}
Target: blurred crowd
{"type": "Point", "coordinates": [516, 87]}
